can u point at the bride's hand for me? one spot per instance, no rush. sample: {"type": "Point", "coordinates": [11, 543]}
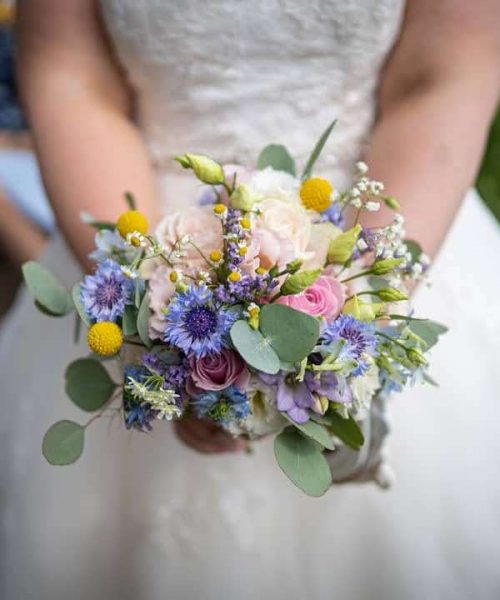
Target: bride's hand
{"type": "Point", "coordinates": [207, 437]}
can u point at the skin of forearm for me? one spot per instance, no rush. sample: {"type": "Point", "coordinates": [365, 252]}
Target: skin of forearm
{"type": "Point", "coordinates": [90, 154]}
{"type": "Point", "coordinates": [426, 148]}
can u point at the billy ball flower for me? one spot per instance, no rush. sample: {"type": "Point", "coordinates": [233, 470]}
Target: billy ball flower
{"type": "Point", "coordinates": [105, 338]}
{"type": "Point", "coordinates": [316, 194]}
{"type": "Point", "coordinates": [105, 294]}
{"type": "Point", "coordinates": [131, 221]}
{"type": "Point", "coordinates": [196, 323]}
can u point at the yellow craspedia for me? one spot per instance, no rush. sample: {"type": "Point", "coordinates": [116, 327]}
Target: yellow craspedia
{"type": "Point", "coordinates": [105, 338]}
{"type": "Point", "coordinates": [234, 276]}
{"type": "Point", "coordinates": [316, 194]}
{"type": "Point", "coordinates": [215, 256]}
{"type": "Point", "coordinates": [130, 221]}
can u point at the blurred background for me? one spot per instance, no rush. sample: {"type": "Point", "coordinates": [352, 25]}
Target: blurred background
{"type": "Point", "coordinates": [26, 221]}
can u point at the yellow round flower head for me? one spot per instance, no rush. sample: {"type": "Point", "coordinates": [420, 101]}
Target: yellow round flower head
{"type": "Point", "coordinates": [131, 221]}
{"type": "Point", "coordinates": [316, 194]}
{"type": "Point", "coordinates": [105, 338]}
{"type": "Point", "coordinates": [174, 276]}
{"type": "Point", "coordinates": [220, 209]}
{"type": "Point", "coordinates": [215, 256]}
{"type": "Point", "coordinates": [243, 251]}
{"type": "Point", "coordinates": [234, 276]}
{"type": "Point", "coordinates": [261, 271]}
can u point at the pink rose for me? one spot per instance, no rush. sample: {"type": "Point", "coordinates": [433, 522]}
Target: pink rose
{"type": "Point", "coordinates": [216, 372]}
{"type": "Point", "coordinates": [325, 298]}
{"type": "Point", "coordinates": [200, 224]}
{"type": "Point", "coordinates": [267, 248]}
{"type": "Point", "coordinates": [161, 289]}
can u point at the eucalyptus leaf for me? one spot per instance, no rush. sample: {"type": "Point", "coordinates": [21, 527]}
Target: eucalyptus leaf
{"type": "Point", "coordinates": [88, 384]}
{"type": "Point", "coordinates": [254, 348]}
{"type": "Point", "coordinates": [428, 330]}
{"type": "Point", "coordinates": [129, 321]}
{"type": "Point", "coordinates": [277, 157]}
{"type": "Point", "coordinates": [77, 301]}
{"type": "Point", "coordinates": [291, 333]}
{"type": "Point", "coordinates": [415, 249]}
{"type": "Point", "coordinates": [346, 430]}
{"type": "Point", "coordinates": [317, 151]}
{"type": "Point", "coordinates": [143, 321]}
{"type": "Point", "coordinates": [302, 461]}
{"type": "Point", "coordinates": [63, 443]}
{"type": "Point", "coordinates": [317, 432]}
{"type": "Point", "coordinates": [298, 282]}
{"type": "Point", "coordinates": [47, 291]}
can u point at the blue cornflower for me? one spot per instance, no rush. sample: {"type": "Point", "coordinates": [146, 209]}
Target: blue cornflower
{"type": "Point", "coordinates": [223, 406]}
{"type": "Point", "coordinates": [197, 323]}
{"type": "Point", "coordinates": [359, 340]}
{"type": "Point", "coordinates": [105, 294]}
{"type": "Point", "coordinates": [334, 215]}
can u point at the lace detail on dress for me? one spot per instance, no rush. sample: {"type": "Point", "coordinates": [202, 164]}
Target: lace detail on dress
{"type": "Point", "coordinates": [227, 78]}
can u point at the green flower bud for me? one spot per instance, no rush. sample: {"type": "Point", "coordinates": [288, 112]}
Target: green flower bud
{"type": "Point", "coordinates": [360, 310]}
{"type": "Point", "coordinates": [206, 169]}
{"type": "Point", "coordinates": [299, 282]}
{"type": "Point", "coordinates": [392, 203]}
{"type": "Point", "coordinates": [416, 357]}
{"type": "Point", "coordinates": [273, 272]}
{"type": "Point", "coordinates": [294, 266]}
{"type": "Point", "coordinates": [242, 198]}
{"type": "Point", "coordinates": [391, 295]}
{"type": "Point", "coordinates": [181, 287]}
{"type": "Point", "coordinates": [342, 247]}
{"type": "Point", "coordinates": [387, 265]}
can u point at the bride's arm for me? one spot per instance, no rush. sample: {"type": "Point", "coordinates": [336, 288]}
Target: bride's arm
{"type": "Point", "coordinates": [437, 97]}
{"type": "Point", "coordinates": [79, 108]}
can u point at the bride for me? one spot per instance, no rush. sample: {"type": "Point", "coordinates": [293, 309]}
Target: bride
{"type": "Point", "coordinates": [113, 91]}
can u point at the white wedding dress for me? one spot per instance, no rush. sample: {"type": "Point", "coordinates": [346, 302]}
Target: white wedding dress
{"type": "Point", "coordinates": [145, 517]}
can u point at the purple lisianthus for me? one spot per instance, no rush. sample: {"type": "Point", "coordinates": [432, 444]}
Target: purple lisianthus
{"type": "Point", "coordinates": [106, 293]}
{"type": "Point", "coordinates": [359, 339]}
{"type": "Point", "coordinates": [196, 323]}
{"type": "Point", "coordinates": [298, 398]}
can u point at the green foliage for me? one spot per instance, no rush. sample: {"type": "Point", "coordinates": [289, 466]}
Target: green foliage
{"type": "Point", "coordinates": [88, 384]}
{"type": "Point", "coordinates": [291, 333]}
{"type": "Point", "coordinates": [488, 181]}
{"type": "Point", "coordinates": [302, 461]}
{"type": "Point", "coordinates": [254, 348]}
{"type": "Point", "coordinates": [143, 321]}
{"type": "Point", "coordinates": [50, 296]}
{"type": "Point", "coordinates": [347, 430]}
{"type": "Point", "coordinates": [415, 249]}
{"type": "Point", "coordinates": [299, 282]}
{"type": "Point", "coordinates": [130, 201]}
{"type": "Point", "coordinates": [317, 151]}
{"type": "Point", "coordinates": [277, 157]}
{"type": "Point", "coordinates": [77, 301]}
{"type": "Point", "coordinates": [317, 432]}
{"type": "Point", "coordinates": [129, 322]}
{"type": "Point", "coordinates": [63, 443]}
{"type": "Point", "coordinates": [428, 330]}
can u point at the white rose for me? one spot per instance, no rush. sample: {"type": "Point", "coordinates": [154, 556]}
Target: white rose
{"type": "Point", "coordinates": [364, 387]}
{"type": "Point", "coordinates": [269, 183]}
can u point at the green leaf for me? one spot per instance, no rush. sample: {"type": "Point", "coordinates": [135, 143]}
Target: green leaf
{"type": "Point", "coordinates": [317, 151]}
{"type": "Point", "coordinates": [430, 380]}
{"type": "Point", "coordinates": [143, 320]}
{"type": "Point", "coordinates": [254, 348]}
{"type": "Point", "coordinates": [415, 249]}
{"type": "Point", "coordinates": [47, 291]}
{"type": "Point", "coordinates": [63, 443]}
{"type": "Point", "coordinates": [277, 157]}
{"type": "Point", "coordinates": [88, 384]}
{"type": "Point", "coordinates": [129, 322]}
{"type": "Point", "coordinates": [428, 330]}
{"type": "Point", "coordinates": [291, 333]}
{"type": "Point", "coordinates": [346, 430]}
{"type": "Point", "coordinates": [316, 432]}
{"type": "Point", "coordinates": [298, 282]}
{"type": "Point", "coordinates": [302, 462]}
{"type": "Point", "coordinates": [95, 223]}
{"type": "Point", "coordinates": [77, 331]}
{"type": "Point", "coordinates": [77, 301]}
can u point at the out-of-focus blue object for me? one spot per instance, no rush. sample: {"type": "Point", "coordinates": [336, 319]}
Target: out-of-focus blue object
{"type": "Point", "coordinates": [21, 181]}
{"type": "Point", "coordinates": [19, 174]}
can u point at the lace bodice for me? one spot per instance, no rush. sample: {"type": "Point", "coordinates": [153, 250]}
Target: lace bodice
{"type": "Point", "coordinates": [227, 77]}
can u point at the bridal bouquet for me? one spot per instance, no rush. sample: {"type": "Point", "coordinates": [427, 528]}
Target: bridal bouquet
{"type": "Point", "coordinates": [257, 308]}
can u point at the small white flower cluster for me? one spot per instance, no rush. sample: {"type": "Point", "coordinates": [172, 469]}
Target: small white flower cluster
{"type": "Point", "coordinates": [365, 192]}
{"type": "Point", "coordinates": [160, 400]}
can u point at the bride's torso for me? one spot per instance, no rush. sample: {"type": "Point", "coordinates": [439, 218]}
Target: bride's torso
{"type": "Point", "coordinates": [227, 77]}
